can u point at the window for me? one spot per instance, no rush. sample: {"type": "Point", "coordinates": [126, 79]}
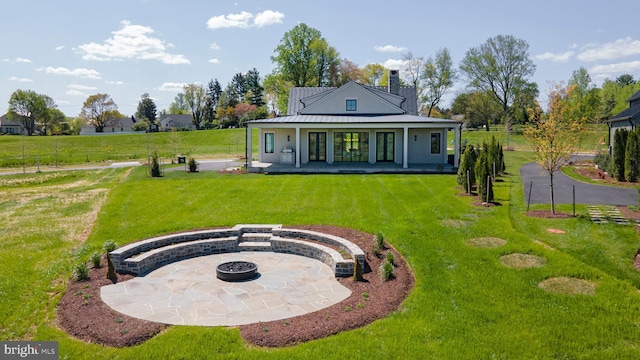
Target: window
{"type": "Point", "coordinates": [350, 146]}
{"type": "Point", "coordinates": [269, 145]}
{"type": "Point", "coordinates": [435, 143]}
{"type": "Point", "coordinates": [352, 105]}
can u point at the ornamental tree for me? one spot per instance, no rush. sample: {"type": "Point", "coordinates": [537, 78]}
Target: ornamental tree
{"type": "Point", "coordinates": [556, 136]}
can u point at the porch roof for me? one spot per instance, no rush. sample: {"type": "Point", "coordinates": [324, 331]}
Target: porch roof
{"type": "Point", "coordinates": [362, 120]}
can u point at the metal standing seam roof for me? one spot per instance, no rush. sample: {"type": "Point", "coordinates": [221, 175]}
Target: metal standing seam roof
{"type": "Point", "coordinates": [342, 119]}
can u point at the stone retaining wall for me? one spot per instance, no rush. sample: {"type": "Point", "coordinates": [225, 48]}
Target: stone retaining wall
{"type": "Point", "coordinates": [140, 258]}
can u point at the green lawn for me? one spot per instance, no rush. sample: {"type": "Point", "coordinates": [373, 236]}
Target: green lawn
{"type": "Point", "coordinates": [465, 304]}
{"type": "Point", "coordinates": [69, 150]}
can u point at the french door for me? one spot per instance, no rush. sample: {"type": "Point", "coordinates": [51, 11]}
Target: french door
{"type": "Point", "coordinates": [385, 142]}
{"type": "Point", "coordinates": [317, 146]}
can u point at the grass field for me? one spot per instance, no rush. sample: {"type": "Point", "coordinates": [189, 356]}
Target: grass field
{"type": "Point", "coordinates": [96, 149]}
{"type": "Point", "coordinates": [49, 151]}
{"type": "Point", "coordinates": [465, 304]}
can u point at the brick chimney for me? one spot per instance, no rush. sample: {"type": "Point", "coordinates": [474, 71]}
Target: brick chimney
{"type": "Point", "coordinates": [394, 82]}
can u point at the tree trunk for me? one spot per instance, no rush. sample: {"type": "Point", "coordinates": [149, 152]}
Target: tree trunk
{"type": "Point", "coordinates": [553, 204]}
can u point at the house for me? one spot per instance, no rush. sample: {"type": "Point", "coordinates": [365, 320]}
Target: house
{"type": "Point", "coordinates": [176, 121]}
{"type": "Point", "coordinates": [628, 119]}
{"type": "Point", "coordinates": [117, 126]}
{"type": "Point", "coordinates": [354, 128]}
{"type": "Point", "coordinates": [10, 126]}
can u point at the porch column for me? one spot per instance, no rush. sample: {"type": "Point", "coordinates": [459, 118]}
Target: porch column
{"type": "Point", "coordinates": [297, 146]}
{"type": "Point", "coordinates": [405, 148]}
{"type": "Point", "coordinates": [249, 146]}
{"type": "Point", "coordinates": [456, 143]}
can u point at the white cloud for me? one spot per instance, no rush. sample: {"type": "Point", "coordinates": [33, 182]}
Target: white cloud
{"type": "Point", "coordinates": [214, 61]}
{"type": "Point", "coordinates": [610, 70]}
{"type": "Point", "coordinates": [58, 48]}
{"type": "Point", "coordinates": [245, 20]}
{"type": "Point", "coordinates": [23, 60]}
{"type": "Point", "coordinates": [214, 46]}
{"type": "Point", "coordinates": [390, 48]}
{"type": "Point", "coordinates": [79, 72]}
{"type": "Point", "coordinates": [609, 51]}
{"type": "Point", "coordinates": [114, 82]}
{"type": "Point", "coordinates": [81, 87]}
{"type": "Point", "coordinates": [240, 20]}
{"type": "Point", "coordinates": [131, 42]}
{"type": "Point", "coordinates": [560, 57]}
{"type": "Point", "coordinates": [170, 86]}
{"type": "Point", "coordinates": [393, 64]}
{"type": "Point", "coordinates": [268, 17]}
{"type": "Point", "coordinates": [76, 93]}
{"type": "Point", "coordinates": [15, 78]}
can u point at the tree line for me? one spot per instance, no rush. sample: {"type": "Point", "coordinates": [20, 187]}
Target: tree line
{"type": "Point", "coordinates": [497, 75]}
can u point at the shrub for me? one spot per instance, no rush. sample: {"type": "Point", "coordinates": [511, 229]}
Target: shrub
{"type": "Point", "coordinates": [391, 259]}
{"type": "Point", "coordinates": [467, 163]}
{"type": "Point", "coordinates": [193, 165]}
{"type": "Point", "coordinates": [619, 149]}
{"type": "Point", "coordinates": [109, 246]}
{"type": "Point", "coordinates": [603, 160]}
{"type": "Point", "coordinates": [483, 173]}
{"type": "Point", "coordinates": [95, 259]}
{"type": "Point", "coordinates": [81, 271]}
{"type": "Point", "coordinates": [378, 244]}
{"type": "Point", "coordinates": [632, 152]}
{"type": "Point", "coordinates": [386, 271]}
{"type": "Point", "coordinates": [155, 165]}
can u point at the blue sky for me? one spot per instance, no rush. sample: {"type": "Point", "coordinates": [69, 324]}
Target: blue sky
{"type": "Point", "coordinates": [69, 50]}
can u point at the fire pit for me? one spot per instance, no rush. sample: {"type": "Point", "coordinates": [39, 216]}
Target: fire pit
{"type": "Point", "coordinates": [236, 271]}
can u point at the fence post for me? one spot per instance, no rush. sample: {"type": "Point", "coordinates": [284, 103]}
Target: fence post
{"type": "Point", "coordinates": [529, 197]}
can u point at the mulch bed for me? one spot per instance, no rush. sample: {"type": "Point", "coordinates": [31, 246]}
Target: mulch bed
{"type": "Point", "coordinates": [82, 314]}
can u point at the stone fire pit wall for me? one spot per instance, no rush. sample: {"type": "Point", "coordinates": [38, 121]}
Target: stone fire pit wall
{"type": "Point", "coordinates": [141, 257]}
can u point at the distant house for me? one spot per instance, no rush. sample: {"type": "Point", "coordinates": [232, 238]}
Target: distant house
{"type": "Point", "coordinates": [176, 121]}
{"type": "Point", "coordinates": [9, 126]}
{"type": "Point", "coordinates": [627, 119]}
{"type": "Point", "coordinates": [354, 128]}
{"type": "Point", "coordinates": [117, 126]}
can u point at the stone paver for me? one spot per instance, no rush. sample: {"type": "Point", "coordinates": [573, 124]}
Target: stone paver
{"type": "Point", "coordinates": [189, 293]}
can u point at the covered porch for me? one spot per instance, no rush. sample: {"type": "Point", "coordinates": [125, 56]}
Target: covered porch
{"type": "Point", "coordinates": [351, 168]}
{"type": "Point", "coordinates": [359, 144]}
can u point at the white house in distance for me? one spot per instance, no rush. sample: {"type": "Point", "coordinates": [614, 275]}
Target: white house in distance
{"type": "Point", "coordinates": [357, 129]}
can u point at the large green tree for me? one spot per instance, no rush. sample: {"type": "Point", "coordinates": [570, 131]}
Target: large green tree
{"type": "Point", "coordinates": [100, 110]}
{"type": "Point", "coordinates": [196, 98]}
{"type": "Point", "coordinates": [501, 68]}
{"type": "Point", "coordinates": [303, 57]}
{"type": "Point", "coordinates": [179, 105]}
{"type": "Point", "coordinates": [146, 109]}
{"type": "Point", "coordinates": [372, 73]}
{"type": "Point", "coordinates": [214, 91]}
{"type": "Point", "coordinates": [438, 76]}
{"type": "Point", "coordinates": [254, 90]}
{"type": "Point", "coordinates": [276, 90]}
{"type": "Point", "coordinates": [30, 108]}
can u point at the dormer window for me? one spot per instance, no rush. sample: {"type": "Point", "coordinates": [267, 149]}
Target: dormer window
{"type": "Point", "coordinates": [352, 105]}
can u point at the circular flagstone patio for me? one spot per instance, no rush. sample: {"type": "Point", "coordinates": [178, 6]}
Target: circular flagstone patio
{"type": "Point", "coordinates": [189, 293]}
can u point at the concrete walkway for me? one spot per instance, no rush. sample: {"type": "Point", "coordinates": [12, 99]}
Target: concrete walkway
{"type": "Point", "coordinates": [189, 293]}
{"type": "Point", "coordinates": [563, 187]}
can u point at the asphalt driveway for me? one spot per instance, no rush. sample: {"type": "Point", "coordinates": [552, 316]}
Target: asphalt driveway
{"type": "Point", "coordinates": [563, 187]}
